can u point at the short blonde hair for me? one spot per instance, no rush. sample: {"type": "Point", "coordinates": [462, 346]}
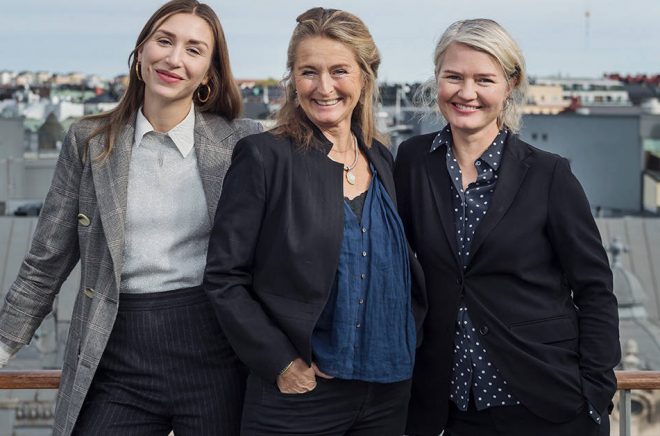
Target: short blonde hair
{"type": "Point", "coordinates": [348, 29]}
{"type": "Point", "coordinates": [489, 37]}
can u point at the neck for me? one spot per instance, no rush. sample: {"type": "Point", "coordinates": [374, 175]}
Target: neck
{"type": "Point", "coordinates": [164, 117]}
{"type": "Point", "coordinates": [341, 138]}
{"type": "Point", "coordinates": [469, 146]}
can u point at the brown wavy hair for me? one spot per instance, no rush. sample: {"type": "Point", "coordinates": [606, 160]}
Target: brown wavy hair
{"type": "Point", "coordinates": [348, 29]}
{"type": "Point", "coordinates": [224, 98]}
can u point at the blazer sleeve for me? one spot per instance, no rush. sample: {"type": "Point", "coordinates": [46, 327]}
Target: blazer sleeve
{"type": "Point", "coordinates": [402, 168]}
{"type": "Point", "coordinates": [53, 253]}
{"type": "Point", "coordinates": [228, 278]}
{"type": "Point", "coordinates": [575, 237]}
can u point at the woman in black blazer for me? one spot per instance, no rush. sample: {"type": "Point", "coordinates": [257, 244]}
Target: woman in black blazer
{"type": "Point", "coordinates": [521, 335]}
{"type": "Point", "coordinates": [308, 267]}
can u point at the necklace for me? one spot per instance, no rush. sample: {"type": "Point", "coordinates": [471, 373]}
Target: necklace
{"type": "Point", "coordinates": [350, 176]}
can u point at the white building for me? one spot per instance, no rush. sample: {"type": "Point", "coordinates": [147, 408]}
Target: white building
{"type": "Point", "coordinates": [590, 92]}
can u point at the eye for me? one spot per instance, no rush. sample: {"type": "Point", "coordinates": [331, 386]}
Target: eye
{"type": "Point", "coordinates": [485, 80]}
{"type": "Point", "coordinates": [340, 72]}
{"type": "Point", "coordinates": [452, 77]}
{"type": "Point", "coordinates": [308, 73]}
{"type": "Point", "coordinates": [163, 41]}
{"type": "Point", "coordinates": [194, 50]}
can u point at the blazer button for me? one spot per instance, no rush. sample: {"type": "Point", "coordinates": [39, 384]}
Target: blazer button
{"type": "Point", "coordinates": [83, 219]}
{"type": "Point", "coordinates": [483, 329]}
{"type": "Point", "coordinates": [89, 292]}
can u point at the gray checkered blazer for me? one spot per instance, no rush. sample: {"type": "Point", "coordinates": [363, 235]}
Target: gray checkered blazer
{"type": "Point", "coordinates": [97, 189]}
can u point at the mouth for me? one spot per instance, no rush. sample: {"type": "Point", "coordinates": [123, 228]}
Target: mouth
{"type": "Point", "coordinates": [327, 102]}
{"type": "Point", "coordinates": [168, 76]}
{"type": "Point", "coordinates": [466, 108]}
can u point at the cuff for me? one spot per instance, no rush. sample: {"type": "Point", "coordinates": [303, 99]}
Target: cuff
{"type": "Point", "coordinates": [593, 413]}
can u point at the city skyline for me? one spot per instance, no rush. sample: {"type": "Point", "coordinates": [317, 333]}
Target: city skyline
{"type": "Point", "coordinates": [554, 35]}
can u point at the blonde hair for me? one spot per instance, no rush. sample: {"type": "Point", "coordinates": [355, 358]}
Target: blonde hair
{"type": "Point", "coordinates": [348, 29]}
{"type": "Point", "coordinates": [489, 37]}
{"type": "Point", "coordinates": [223, 99]}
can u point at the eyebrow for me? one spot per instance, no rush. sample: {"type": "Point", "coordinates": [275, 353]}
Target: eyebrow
{"type": "Point", "coordinates": [478, 74]}
{"type": "Point", "coordinates": [332, 67]}
{"type": "Point", "coordinates": [173, 36]}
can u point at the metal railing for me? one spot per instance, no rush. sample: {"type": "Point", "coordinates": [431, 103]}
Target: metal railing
{"type": "Point", "coordinates": [626, 382]}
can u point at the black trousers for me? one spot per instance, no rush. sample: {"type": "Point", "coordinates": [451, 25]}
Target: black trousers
{"type": "Point", "coordinates": [335, 407]}
{"type": "Point", "coordinates": [167, 366]}
{"type": "Point", "coordinates": [518, 421]}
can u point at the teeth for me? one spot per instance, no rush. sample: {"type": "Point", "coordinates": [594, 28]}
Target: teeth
{"type": "Point", "coordinates": [466, 108]}
{"type": "Point", "coordinates": [327, 102]}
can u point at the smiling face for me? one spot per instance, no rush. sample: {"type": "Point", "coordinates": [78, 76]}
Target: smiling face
{"type": "Point", "coordinates": [175, 60]}
{"type": "Point", "coordinates": [472, 90]}
{"type": "Point", "coordinates": [328, 82]}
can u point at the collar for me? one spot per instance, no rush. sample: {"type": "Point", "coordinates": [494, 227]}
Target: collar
{"type": "Point", "coordinates": [183, 134]}
{"type": "Point", "coordinates": [493, 154]}
{"type": "Point", "coordinates": [322, 142]}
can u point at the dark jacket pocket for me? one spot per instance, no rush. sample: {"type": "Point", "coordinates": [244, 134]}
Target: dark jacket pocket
{"type": "Point", "coordinates": [547, 330]}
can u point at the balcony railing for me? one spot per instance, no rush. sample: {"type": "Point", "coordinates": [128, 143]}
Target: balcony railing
{"type": "Point", "coordinates": [626, 382]}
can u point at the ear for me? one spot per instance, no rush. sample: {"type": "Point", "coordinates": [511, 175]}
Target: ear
{"type": "Point", "coordinates": [139, 55]}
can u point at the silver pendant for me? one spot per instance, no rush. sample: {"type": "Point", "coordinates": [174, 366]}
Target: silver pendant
{"type": "Point", "coordinates": [350, 177]}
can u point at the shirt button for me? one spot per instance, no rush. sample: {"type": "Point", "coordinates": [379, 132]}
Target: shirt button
{"type": "Point", "coordinates": [483, 329]}
{"type": "Point", "coordinates": [364, 254]}
{"type": "Point", "coordinates": [477, 163]}
{"type": "Point", "coordinates": [361, 302]}
{"type": "Point", "coordinates": [357, 325]}
{"type": "Point", "coordinates": [363, 276]}
{"type": "Point", "coordinates": [364, 230]}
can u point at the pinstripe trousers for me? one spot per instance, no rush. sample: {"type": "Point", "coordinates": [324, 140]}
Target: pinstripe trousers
{"type": "Point", "coordinates": [167, 366]}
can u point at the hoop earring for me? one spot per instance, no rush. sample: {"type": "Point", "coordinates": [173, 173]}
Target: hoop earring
{"type": "Point", "coordinates": [138, 66]}
{"type": "Point", "coordinates": [208, 93]}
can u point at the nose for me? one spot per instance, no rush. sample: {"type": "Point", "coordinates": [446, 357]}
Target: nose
{"type": "Point", "coordinates": [326, 86]}
{"type": "Point", "coordinates": [175, 56]}
{"type": "Point", "coordinates": [468, 90]}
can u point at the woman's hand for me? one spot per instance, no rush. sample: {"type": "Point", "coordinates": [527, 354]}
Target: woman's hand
{"type": "Point", "coordinates": [297, 379]}
{"type": "Point", "coordinates": [320, 373]}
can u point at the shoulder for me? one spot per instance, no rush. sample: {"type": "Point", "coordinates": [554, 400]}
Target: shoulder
{"type": "Point", "coordinates": [533, 156]}
{"type": "Point", "coordinates": [219, 127]}
{"type": "Point", "coordinates": [84, 127]}
{"type": "Point", "coordinates": [418, 144]}
{"type": "Point", "coordinates": [383, 151]}
{"type": "Point", "coordinates": [266, 144]}
{"type": "Point", "coordinates": [246, 126]}
{"type": "Point", "coordinates": [265, 140]}
{"type": "Point", "coordinates": [415, 148]}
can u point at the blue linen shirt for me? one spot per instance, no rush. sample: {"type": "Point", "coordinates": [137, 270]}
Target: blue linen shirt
{"type": "Point", "coordinates": [366, 330]}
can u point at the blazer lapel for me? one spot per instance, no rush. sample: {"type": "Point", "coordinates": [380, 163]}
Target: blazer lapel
{"type": "Point", "coordinates": [510, 178]}
{"type": "Point", "coordinates": [110, 178]}
{"type": "Point", "coordinates": [436, 169]}
{"type": "Point", "coordinates": [213, 151]}
{"type": "Point", "coordinates": [384, 172]}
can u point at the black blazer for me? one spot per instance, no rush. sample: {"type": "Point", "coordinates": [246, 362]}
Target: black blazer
{"type": "Point", "coordinates": [274, 248]}
{"type": "Point", "coordinates": [538, 287]}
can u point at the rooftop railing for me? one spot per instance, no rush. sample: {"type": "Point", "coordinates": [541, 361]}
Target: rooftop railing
{"type": "Point", "coordinates": [626, 382]}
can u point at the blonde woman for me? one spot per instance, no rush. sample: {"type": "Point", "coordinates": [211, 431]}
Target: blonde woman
{"type": "Point", "coordinates": [521, 335]}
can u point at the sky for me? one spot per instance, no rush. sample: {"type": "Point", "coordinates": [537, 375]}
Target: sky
{"type": "Point", "coordinates": [95, 37]}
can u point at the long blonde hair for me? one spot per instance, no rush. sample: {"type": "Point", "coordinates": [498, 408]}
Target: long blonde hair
{"type": "Point", "coordinates": [348, 29]}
